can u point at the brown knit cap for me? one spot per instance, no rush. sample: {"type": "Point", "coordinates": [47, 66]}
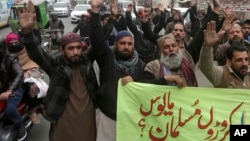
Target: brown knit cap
{"type": "Point", "coordinates": [69, 38]}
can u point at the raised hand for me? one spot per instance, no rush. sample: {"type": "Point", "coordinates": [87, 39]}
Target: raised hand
{"type": "Point", "coordinates": [27, 18]}
{"type": "Point", "coordinates": [129, 8]}
{"type": "Point", "coordinates": [228, 11]}
{"type": "Point", "coordinates": [210, 35]}
{"type": "Point", "coordinates": [160, 7]}
{"type": "Point", "coordinates": [95, 5]}
{"type": "Point", "coordinates": [228, 22]}
{"type": "Point", "coordinates": [217, 6]}
{"type": "Point", "coordinates": [145, 15]}
{"type": "Point", "coordinates": [114, 10]}
{"type": "Point", "coordinates": [134, 3]}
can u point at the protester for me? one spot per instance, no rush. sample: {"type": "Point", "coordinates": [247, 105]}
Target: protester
{"type": "Point", "coordinates": [115, 23]}
{"type": "Point", "coordinates": [146, 50]}
{"type": "Point", "coordinates": [83, 26]}
{"type": "Point", "coordinates": [170, 25]}
{"type": "Point", "coordinates": [235, 74]}
{"type": "Point", "coordinates": [234, 35]}
{"type": "Point", "coordinates": [198, 17]}
{"type": "Point", "coordinates": [31, 90]}
{"type": "Point", "coordinates": [70, 100]}
{"type": "Point", "coordinates": [11, 80]}
{"type": "Point", "coordinates": [195, 45]}
{"type": "Point", "coordinates": [120, 63]}
{"type": "Point", "coordinates": [179, 34]}
{"type": "Point", "coordinates": [174, 67]}
{"type": "Point", "coordinates": [105, 17]}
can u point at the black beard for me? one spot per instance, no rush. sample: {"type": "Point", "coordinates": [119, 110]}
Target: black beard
{"type": "Point", "coordinates": [236, 42]}
{"type": "Point", "coordinates": [121, 56]}
{"type": "Point", "coordinates": [71, 62]}
{"type": "Point", "coordinates": [241, 76]}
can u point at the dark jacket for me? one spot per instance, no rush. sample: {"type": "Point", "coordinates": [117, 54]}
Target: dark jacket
{"type": "Point", "coordinates": [146, 49]}
{"type": "Point", "coordinates": [58, 24]}
{"type": "Point", "coordinates": [109, 74]}
{"type": "Point", "coordinates": [11, 73]}
{"type": "Point", "coordinates": [196, 24]}
{"type": "Point", "coordinates": [59, 72]}
{"type": "Point", "coordinates": [160, 23]}
{"type": "Point", "coordinates": [84, 29]}
{"type": "Point", "coordinates": [118, 25]}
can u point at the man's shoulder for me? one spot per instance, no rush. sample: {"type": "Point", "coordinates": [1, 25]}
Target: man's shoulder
{"type": "Point", "coordinates": [154, 63]}
{"type": "Point", "coordinates": [153, 66]}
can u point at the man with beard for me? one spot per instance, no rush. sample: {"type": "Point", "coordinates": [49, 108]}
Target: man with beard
{"type": "Point", "coordinates": [235, 37]}
{"type": "Point", "coordinates": [235, 74]}
{"type": "Point", "coordinates": [70, 101]}
{"type": "Point", "coordinates": [179, 34]}
{"type": "Point", "coordinates": [175, 66]}
{"type": "Point", "coordinates": [120, 63]}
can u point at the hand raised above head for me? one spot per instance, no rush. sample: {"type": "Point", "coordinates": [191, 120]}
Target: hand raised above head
{"type": "Point", "coordinates": [95, 5]}
{"type": "Point", "coordinates": [129, 8]}
{"type": "Point", "coordinates": [217, 6]}
{"type": "Point", "coordinates": [160, 7]}
{"type": "Point", "coordinates": [114, 9]}
{"type": "Point", "coordinates": [228, 22]}
{"type": "Point", "coordinates": [210, 35]}
{"type": "Point", "coordinates": [145, 15]}
{"type": "Point", "coordinates": [27, 17]}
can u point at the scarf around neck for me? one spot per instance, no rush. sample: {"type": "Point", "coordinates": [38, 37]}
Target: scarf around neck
{"type": "Point", "coordinates": [127, 66]}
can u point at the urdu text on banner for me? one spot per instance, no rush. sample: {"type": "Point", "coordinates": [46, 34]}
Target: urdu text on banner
{"type": "Point", "coordinates": [147, 112]}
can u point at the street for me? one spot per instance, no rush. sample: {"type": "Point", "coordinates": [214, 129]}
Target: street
{"type": "Point", "coordinates": [40, 132]}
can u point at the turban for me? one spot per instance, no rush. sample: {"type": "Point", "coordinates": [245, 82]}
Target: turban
{"type": "Point", "coordinates": [162, 39]}
{"type": "Point", "coordinates": [11, 36]}
{"type": "Point", "coordinates": [123, 33]}
{"type": "Point", "coordinates": [70, 38]}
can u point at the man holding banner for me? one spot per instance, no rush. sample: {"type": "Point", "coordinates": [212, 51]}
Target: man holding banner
{"type": "Point", "coordinates": [174, 67]}
{"type": "Point", "coordinates": [121, 62]}
{"type": "Point", "coordinates": [235, 74]}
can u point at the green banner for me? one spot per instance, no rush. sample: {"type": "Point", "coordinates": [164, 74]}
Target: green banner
{"type": "Point", "coordinates": [149, 112]}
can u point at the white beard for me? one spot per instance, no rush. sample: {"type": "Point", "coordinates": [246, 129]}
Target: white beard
{"type": "Point", "coordinates": [171, 62]}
